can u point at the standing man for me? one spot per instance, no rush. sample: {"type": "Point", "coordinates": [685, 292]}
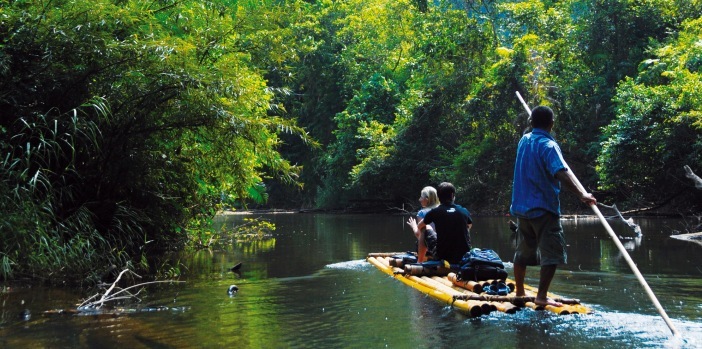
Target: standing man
{"type": "Point", "coordinates": [539, 172]}
{"type": "Point", "coordinates": [452, 223]}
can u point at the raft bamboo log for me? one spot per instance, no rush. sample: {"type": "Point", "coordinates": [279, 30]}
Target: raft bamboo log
{"type": "Point", "coordinates": [464, 306]}
{"type": "Point", "coordinates": [621, 248]}
{"type": "Point", "coordinates": [468, 285]}
{"type": "Point", "coordinates": [516, 302]}
{"type": "Point", "coordinates": [418, 269]}
{"type": "Point", "coordinates": [556, 310]}
{"type": "Point", "coordinates": [570, 308]}
{"type": "Point", "coordinates": [377, 264]}
{"type": "Point", "coordinates": [397, 262]}
{"type": "Point", "coordinates": [444, 290]}
{"type": "Point", "coordinates": [515, 299]}
{"type": "Point", "coordinates": [528, 301]}
{"type": "Point", "coordinates": [385, 254]}
{"type": "Point", "coordinates": [503, 307]}
{"type": "Point", "coordinates": [485, 308]}
{"type": "Point", "coordinates": [473, 308]}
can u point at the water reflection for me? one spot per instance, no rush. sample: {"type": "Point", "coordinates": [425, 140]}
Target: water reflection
{"type": "Point", "coordinates": [309, 286]}
{"type": "Point", "coordinates": [631, 244]}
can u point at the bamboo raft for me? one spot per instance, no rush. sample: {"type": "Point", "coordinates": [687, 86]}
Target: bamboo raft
{"type": "Point", "coordinates": [468, 297]}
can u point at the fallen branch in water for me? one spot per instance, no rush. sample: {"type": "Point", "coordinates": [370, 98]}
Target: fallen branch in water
{"type": "Point", "coordinates": [120, 294]}
{"type": "Point", "coordinates": [630, 222]}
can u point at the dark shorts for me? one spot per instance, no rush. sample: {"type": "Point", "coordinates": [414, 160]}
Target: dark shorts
{"type": "Point", "coordinates": [540, 241]}
{"type": "Point", "coordinates": [430, 241]}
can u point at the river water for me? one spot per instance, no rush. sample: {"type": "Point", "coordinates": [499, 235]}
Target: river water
{"type": "Point", "coordinates": [308, 286]}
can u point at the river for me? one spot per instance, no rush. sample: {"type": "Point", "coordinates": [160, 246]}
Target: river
{"type": "Point", "coordinates": [309, 286]}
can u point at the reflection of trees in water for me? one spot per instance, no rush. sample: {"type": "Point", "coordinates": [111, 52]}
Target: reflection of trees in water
{"type": "Point", "coordinates": [256, 246]}
{"type": "Point", "coordinates": [632, 243]}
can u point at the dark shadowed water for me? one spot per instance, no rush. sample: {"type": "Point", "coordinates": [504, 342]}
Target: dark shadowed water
{"type": "Point", "coordinates": [310, 287]}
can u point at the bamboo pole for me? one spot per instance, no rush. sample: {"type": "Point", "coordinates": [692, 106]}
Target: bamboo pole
{"type": "Point", "coordinates": [385, 254]}
{"type": "Point", "coordinates": [635, 269]}
{"type": "Point", "coordinates": [621, 248]}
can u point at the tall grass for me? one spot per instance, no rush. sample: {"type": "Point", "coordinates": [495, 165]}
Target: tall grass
{"type": "Point", "coordinates": [48, 230]}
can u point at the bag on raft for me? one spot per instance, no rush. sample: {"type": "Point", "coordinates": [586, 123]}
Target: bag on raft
{"type": "Point", "coordinates": [481, 265]}
{"type": "Point", "coordinates": [429, 268]}
{"type": "Point", "coordinates": [399, 260]}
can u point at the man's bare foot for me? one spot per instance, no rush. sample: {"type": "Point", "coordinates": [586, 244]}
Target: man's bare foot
{"type": "Point", "coordinates": [547, 301]}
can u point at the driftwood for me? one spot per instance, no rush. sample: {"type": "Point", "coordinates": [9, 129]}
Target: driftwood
{"type": "Point", "coordinates": [691, 237]}
{"type": "Point", "coordinates": [119, 294]}
{"type": "Point", "coordinates": [94, 305]}
{"type": "Point", "coordinates": [629, 222]}
{"type": "Point", "coordinates": [695, 178]}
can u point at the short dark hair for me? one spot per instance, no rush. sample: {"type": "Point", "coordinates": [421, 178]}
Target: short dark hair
{"type": "Point", "coordinates": [541, 117]}
{"type": "Point", "coordinates": [446, 192]}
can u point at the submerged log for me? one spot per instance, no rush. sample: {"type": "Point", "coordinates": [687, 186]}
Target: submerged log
{"type": "Point", "coordinates": [110, 313]}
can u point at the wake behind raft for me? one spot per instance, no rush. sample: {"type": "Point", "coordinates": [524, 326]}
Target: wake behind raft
{"type": "Point", "coordinates": [472, 298]}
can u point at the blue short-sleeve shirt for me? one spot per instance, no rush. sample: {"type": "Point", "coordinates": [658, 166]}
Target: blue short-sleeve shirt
{"type": "Point", "coordinates": [422, 213]}
{"type": "Point", "coordinates": [535, 189]}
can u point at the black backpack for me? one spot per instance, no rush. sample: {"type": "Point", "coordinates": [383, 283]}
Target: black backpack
{"type": "Point", "coordinates": [481, 265]}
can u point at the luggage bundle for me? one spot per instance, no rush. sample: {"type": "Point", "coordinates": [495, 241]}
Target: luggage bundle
{"type": "Point", "coordinates": [477, 265]}
{"type": "Point", "coordinates": [399, 260]}
{"type": "Point", "coordinates": [481, 265]}
{"type": "Point", "coordinates": [408, 262]}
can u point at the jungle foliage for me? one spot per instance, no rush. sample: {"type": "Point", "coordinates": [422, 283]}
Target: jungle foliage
{"type": "Point", "coordinates": [125, 125]}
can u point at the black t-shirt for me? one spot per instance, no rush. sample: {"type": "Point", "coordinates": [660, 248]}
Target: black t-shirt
{"type": "Point", "coordinates": [453, 238]}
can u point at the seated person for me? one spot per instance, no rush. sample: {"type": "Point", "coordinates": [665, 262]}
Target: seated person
{"type": "Point", "coordinates": [452, 224]}
{"type": "Point", "coordinates": [426, 238]}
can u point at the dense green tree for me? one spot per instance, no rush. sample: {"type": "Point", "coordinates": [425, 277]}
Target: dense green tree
{"type": "Point", "coordinates": [375, 41]}
{"type": "Point", "coordinates": [458, 83]}
{"type": "Point", "coordinates": [558, 47]}
{"type": "Point", "coordinates": [611, 38]}
{"type": "Point", "coordinates": [308, 89]}
{"type": "Point", "coordinates": [124, 125]}
{"type": "Point", "coordinates": [659, 118]}
{"type": "Point", "coordinates": [181, 117]}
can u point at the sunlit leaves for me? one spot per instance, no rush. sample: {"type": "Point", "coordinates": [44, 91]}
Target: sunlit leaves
{"type": "Point", "coordinates": [658, 118]}
{"type": "Point", "coordinates": [191, 117]}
